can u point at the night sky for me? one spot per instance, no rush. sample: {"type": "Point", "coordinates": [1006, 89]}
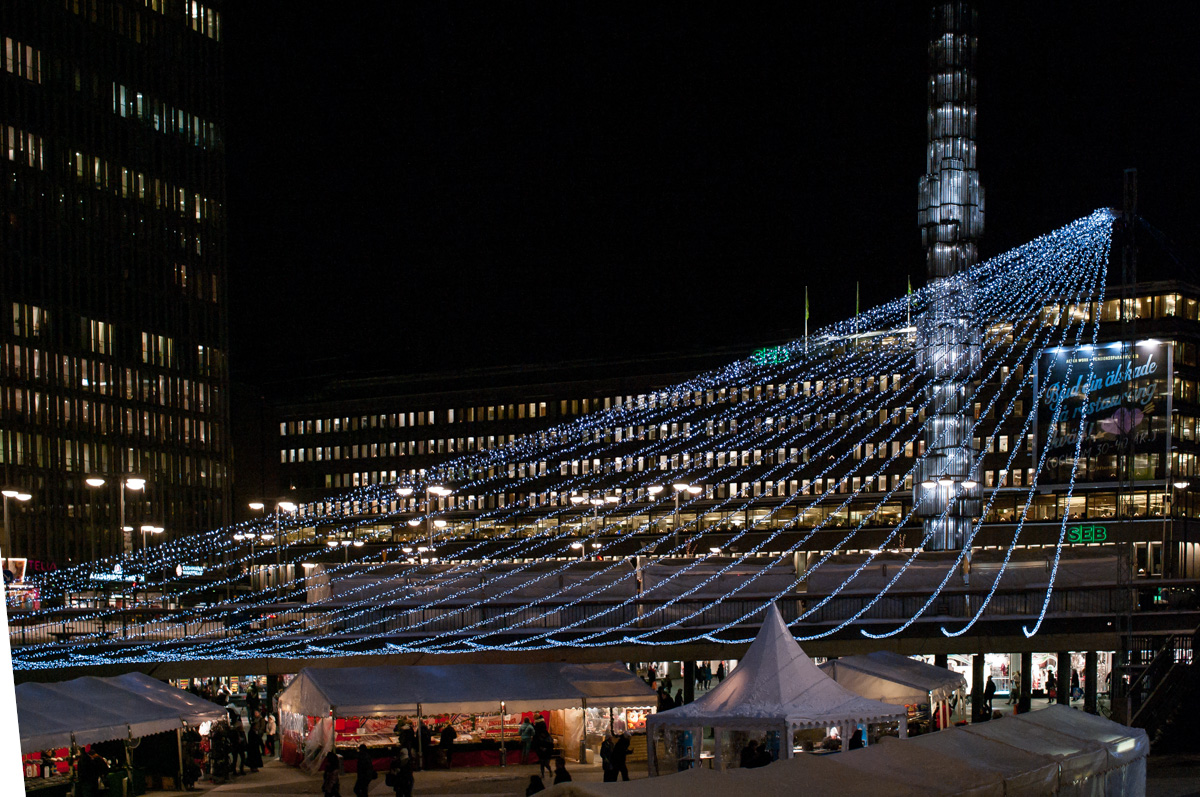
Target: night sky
{"type": "Point", "coordinates": [428, 186]}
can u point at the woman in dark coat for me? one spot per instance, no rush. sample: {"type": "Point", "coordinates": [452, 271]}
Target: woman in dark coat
{"type": "Point", "coordinates": [364, 771]}
{"type": "Point", "coordinates": [543, 747]}
{"type": "Point", "coordinates": [254, 745]}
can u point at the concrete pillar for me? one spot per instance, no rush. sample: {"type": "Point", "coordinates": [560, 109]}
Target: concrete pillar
{"type": "Point", "coordinates": [689, 681]}
{"type": "Point", "coordinates": [1091, 669]}
{"type": "Point", "coordinates": [978, 712]}
{"type": "Point", "coordinates": [1063, 679]}
{"type": "Point", "coordinates": [1026, 682]}
{"type": "Point", "coordinates": [940, 660]}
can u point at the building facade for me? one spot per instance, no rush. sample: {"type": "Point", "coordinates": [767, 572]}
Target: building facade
{"type": "Point", "coordinates": [113, 317]}
{"type": "Point", "coordinates": [358, 432]}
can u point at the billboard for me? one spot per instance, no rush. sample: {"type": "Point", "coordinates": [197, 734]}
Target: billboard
{"type": "Point", "coordinates": [1127, 410]}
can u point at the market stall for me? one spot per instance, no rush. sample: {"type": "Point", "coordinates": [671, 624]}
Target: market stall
{"type": "Point", "coordinates": [59, 717]}
{"type": "Point", "coordinates": [926, 690]}
{"type": "Point", "coordinates": [324, 709]}
{"type": "Point", "coordinates": [773, 693]}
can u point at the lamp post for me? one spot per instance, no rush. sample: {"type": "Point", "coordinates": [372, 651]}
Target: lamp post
{"type": "Point", "coordinates": [20, 495]}
{"type": "Point", "coordinates": [280, 507]}
{"type": "Point", "coordinates": [681, 488]}
{"type": "Point", "coordinates": [124, 482]}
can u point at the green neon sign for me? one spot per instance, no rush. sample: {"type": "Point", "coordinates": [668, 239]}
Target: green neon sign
{"type": "Point", "coordinates": [774, 355]}
{"type": "Point", "coordinates": [1087, 534]}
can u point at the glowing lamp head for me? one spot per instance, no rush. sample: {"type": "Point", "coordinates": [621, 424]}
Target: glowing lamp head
{"type": "Point", "coordinates": [654, 489]}
{"type": "Point", "coordinates": [611, 499]}
{"type": "Point", "coordinates": [404, 491]}
{"type": "Point", "coordinates": [135, 483]}
{"type": "Point", "coordinates": [331, 543]}
{"type": "Point", "coordinates": [441, 524]}
{"type": "Point", "coordinates": [577, 545]}
{"type": "Point", "coordinates": [946, 481]}
{"type": "Point", "coordinates": [577, 499]}
{"type": "Point", "coordinates": [10, 493]}
{"type": "Point", "coordinates": [23, 496]}
{"type": "Point", "coordinates": [680, 486]}
{"type": "Point", "coordinates": [257, 506]}
{"type": "Point", "coordinates": [95, 481]}
{"type": "Point", "coordinates": [970, 484]}
{"type": "Point", "coordinates": [1182, 484]}
{"type": "Point", "coordinates": [286, 506]}
{"type": "Point", "coordinates": [695, 490]}
{"type": "Point", "coordinates": [414, 522]}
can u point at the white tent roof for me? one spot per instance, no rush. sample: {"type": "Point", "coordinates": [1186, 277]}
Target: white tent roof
{"type": "Point", "coordinates": [805, 774]}
{"type": "Point", "coordinates": [775, 683]}
{"type": "Point", "coordinates": [100, 709]}
{"type": "Point", "coordinates": [1024, 772]}
{"type": "Point", "coordinates": [392, 690]}
{"type": "Point", "coordinates": [893, 678]}
{"type": "Point", "coordinates": [1078, 758]}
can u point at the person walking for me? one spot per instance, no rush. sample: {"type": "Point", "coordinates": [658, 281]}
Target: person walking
{"type": "Point", "coordinates": [606, 758]}
{"type": "Point", "coordinates": [1050, 686]}
{"type": "Point", "coordinates": [272, 729]}
{"type": "Point", "coordinates": [560, 771]}
{"type": "Point", "coordinates": [989, 694]}
{"type": "Point", "coordinates": [1076, 692]}
{"type": "Point", "coordinates": [331, 782]}
{"type": "Point", "coordinates": [400, 772]}
{"type": "Point", "coordinates": [254, 744]}
{"type": "Point", "coordinates": [619, 754]}
{"type": "Point", "coordinates": [364, 771]}
{"type": "Point", "coordinates": [543, 747]}
{"type": "Point", "coordinates": [1014, 687]}
{"type": "Point", "coordinates": [526, 734]}
{"type": "Point", "coordinates": [720, 673]}
{"type": "Point", "coordinates": [447, 743]}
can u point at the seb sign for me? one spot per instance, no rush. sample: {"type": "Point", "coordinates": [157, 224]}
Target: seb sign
{"type": "Point", "coordinates": [1082, 534]}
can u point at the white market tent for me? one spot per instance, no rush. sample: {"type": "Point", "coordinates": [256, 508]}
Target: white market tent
{"type": "Point", "coordinates": [893, 678]}
{"type": "Point", "coordinates": [461, 688]}
{"type": "Point", "coordinates": [89, 710]}
{"type": "Point", "coordinates": [1064, 752]}
{"type": "Point", "coordinates": [776, 687]}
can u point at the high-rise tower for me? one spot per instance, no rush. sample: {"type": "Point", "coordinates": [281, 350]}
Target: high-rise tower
{"type": "Point", "coordinates": [112, 274]}
{"type": "Point", "coordinates": [950, 213]}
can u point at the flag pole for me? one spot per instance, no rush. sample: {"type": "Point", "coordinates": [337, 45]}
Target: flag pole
{"type": "Point", "coordinates": [856, 313]}
{"type": "Point", "coordinates": [806, 319]}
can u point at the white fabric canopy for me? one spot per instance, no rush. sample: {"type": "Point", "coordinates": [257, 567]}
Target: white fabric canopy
{"type": "Point", "coordinates": [1079, 759]}
{"type": "Point", "coordinates": [1126, 748]}
{"type": "Point", "coordinates": [1024, 772]}
{"type": "Point", "coordinates": [893, 678]}
{"type": "Point", "coordinates": [99, 709]}
{"type": "Point", "coordinates": [776, 684]}
{"type": "Point", "coordinates": [394, 690]}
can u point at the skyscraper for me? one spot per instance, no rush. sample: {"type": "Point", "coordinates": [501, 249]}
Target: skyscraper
{"type": "Point", "coordinates": [112, 290]}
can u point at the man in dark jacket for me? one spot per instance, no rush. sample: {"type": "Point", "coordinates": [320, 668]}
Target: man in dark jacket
{"type": "Point", "coordinates": [619, 754]}
{"type": "Point", "coordinates": [447, 743]}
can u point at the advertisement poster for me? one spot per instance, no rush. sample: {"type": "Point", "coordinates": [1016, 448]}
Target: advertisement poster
{"type": "Point", "coordinates": [1128, 390]}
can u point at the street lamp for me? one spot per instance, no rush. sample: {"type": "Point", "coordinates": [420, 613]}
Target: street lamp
{"type": "Point", "coordinates": [681, 488]}
{"type": "Point", "coordinates": [280, 507]}
{"type": "Point", "coordinates": [129, 482]}
{"type": "Point", "coordinates": [20, 495]}
{"type": "Point", "coordinates": [441, 492]}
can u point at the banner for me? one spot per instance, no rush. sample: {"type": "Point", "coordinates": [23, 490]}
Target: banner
{"type": "Point", "coordinates": [1126, 411]}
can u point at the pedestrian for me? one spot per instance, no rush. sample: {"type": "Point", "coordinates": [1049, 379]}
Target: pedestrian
{"type": "Point", "coordinates": [90, 769]}
{"type": "Point", "coordinates": [560, 771]}
{"type": "Point", "coordinates": [748, 758]}
{"type": "Point", "coordinates": [856, 741]}
{"type": "Point", "coordinates": [1076, 692]}
{"type": "Point", "coordinates": [678, 697]}
{"type": "Point", "coordinates": [619, 754]}
{"type": "Point", "coordinates": [708, 675]}
{"type": "Point", "coordinates": [364, 771]}
{"type": "Point", "coordinates": [427, 752]}
{"type": "Point", "coordinates": [272, 729]}
{"type": "Point", "coordinates": [252, 699]}
{"type": "Point", "coordinates": [606, 758]}
{"type": "Point", "coordinates": [543, 747]}
{"type": "Point", "coordinates": [447, 743]}
{"type": "Point", "coordinates": [526, 734]}
{"type": "Point", "coordinates": [331, 783]}
{"type": "Point", "coordinates": [1014, 687]}
{"type": "Point", "coordinates": [535, 785]}
{"type": "Point", "coordinates": [720, 673]}
{"type": "Point", "coordinates": [1050, 686]}
{"type": "Point", "coordinates": [989, 693]}
{"type": "Point", "coordinates": [400, 771]}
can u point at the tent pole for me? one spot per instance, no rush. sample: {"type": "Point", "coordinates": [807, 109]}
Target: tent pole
{"type": "Point", "coordinates": [786, 741]}
{"type": "Point", "coordinates": [420, 738]}
{"type": "Point", "coordinates": [503, 749]}
{"type": "Point", "coordinates": [583, 731]}
{"type": "Point", "coordinates": [179, 747]}
{"type": "Point", "coordinates": [651, 750]}
{"type": "Point", "coordinates": [718, 758]}
{"type": "Point", "coordinates": [904, 727]}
